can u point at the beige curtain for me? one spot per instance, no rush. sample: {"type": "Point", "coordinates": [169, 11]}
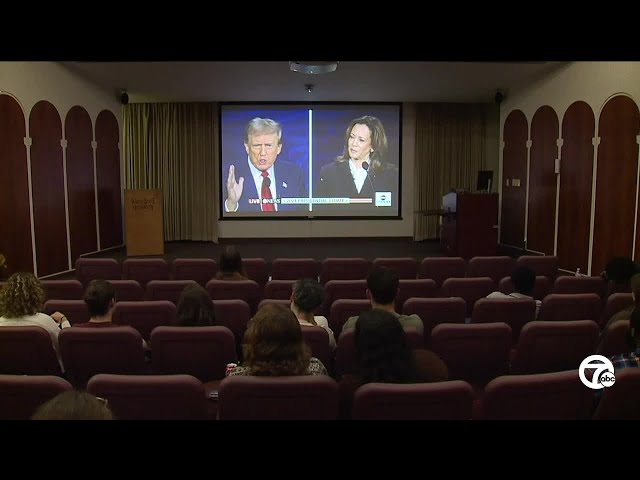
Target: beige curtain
{"type": "Point", "coordinates": [172, 146]}
{"type": "Point", "coordinates": [450, 149]}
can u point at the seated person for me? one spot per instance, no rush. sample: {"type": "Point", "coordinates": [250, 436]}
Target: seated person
{"type": "Point", "coordinates": [308, 295]}
{"type": "Point", "coordinates": [383, 354]}
{"type": "Point", "coordinates": [618, 273]}
{"type": "Point", "coordinates": [523, 279]}
{"type": "Point", "coordinates": [624, 314]}
{"type": "Point", "coordinates": [230, 265]}
{"type": "Point", "coordinates": [630, 359]}
{"type": "Point", "coordinates": [74, 405]}
{"type": "Point", "coordinates": [274, 346]}
{"type": "Point", "coordinates": [382, 288]}
{"type": "Point", "coordinates": [100, 298]}
{"type": "Point", "coordinates": [195, 308]}
{"type": "Point", "coordinates": [21, 302]}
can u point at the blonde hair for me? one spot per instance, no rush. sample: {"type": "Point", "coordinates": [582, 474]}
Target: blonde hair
{"type": "Point", "coordinates": [21, 296]}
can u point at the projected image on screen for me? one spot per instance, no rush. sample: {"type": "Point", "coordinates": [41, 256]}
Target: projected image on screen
{"type": "Point", "coordinates": [325, 160]}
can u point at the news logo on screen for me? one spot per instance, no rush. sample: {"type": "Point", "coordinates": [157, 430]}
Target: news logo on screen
{"type": "Point", "coordinates": [383, 199]}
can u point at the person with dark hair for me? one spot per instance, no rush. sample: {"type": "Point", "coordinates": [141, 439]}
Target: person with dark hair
{"type": "Point", "coordinates": [383, 354]}
{"type": "Point", "coordinates": [230, 265]}
{"type": "Point", "coordinates": [74, 405]}
{"type": "Point", "coordinates": [624, 314]}
{"type": "Point", "coordinates": [195, 308]}
{"type": "Point", "coordinates": [619, 270]}
{"type": "Point", "coordinates": [382, 288]}
{"type": "Point", "coordinates": [617, 274]}
{"type": "Point", "coordinates": [21, 302]}
{"type": "Point", "coordinates": [523, 280]}
{"type": "Point", "coordinates": [100, 297]}
{"type": "Point", "coordinates": [263, 144]}
{"type": "Point", "coordinates": [362, 169]}
{"type": "Point", "coordinates": [274, 346]}
{"type": "Point", "coordinates": [307, 295]}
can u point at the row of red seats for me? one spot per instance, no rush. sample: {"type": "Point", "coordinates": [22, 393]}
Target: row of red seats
{"type": "Point", "coordinates": [203, 269]}
{"type": "Point", "coordinates": [548, 396]}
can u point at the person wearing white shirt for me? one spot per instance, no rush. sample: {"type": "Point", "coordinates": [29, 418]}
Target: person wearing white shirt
{"type": "Point", "coordinates": [21, 300]}
{"type": "Point", "coordinates": [523, 279]}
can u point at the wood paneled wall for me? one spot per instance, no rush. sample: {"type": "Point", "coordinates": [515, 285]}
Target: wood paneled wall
{"type": "Point", "coordinates": [514, 167]}
{"type": "Point", "coordinates": [108, 179]}
{"type": "Point", "coordinates": [81, 189]}
{"type": "Point", "coordinates": [610, 227]}
{"type": "Point", "coordinates": [616, 181]}
{"type": "Point", "coordinates": [64, 210]}
{"type": "Point", "coordinates": [576, 176]}
{"type": "Point", "coordinates": [15, 216]}
{"type": "Point", "coordinates": [47, 184]}
{"type": "Point", "coordinates": [541, 221]}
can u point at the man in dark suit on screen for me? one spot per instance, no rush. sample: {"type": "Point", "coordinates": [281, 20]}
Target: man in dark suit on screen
{"type": "Point", "coordinates": [266, 184]}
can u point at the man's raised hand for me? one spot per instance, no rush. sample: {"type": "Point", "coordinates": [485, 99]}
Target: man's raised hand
{"type": "Point", "coordinates": [234, 189]}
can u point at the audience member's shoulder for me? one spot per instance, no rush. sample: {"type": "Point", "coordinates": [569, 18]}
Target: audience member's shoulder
{"type": "Point", "coordinates": [350, 323]}
{"type": "Point", "coordinates": [498, 294]}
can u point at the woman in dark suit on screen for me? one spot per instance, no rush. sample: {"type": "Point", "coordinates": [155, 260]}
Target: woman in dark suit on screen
{"type": "Point", "coordinates": [361, 170]}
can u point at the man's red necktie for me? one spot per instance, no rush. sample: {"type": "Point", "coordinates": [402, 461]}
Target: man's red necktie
{"type": "Point", "coordinates": [266, 193]}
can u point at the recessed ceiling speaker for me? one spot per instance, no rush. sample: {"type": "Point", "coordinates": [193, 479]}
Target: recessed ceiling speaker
{"type": "Point", "coordinates": [313, 68]}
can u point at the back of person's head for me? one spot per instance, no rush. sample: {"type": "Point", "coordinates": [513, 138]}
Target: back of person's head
{"type": "Point", "coordinates": [231, 261]}
{"type": "Point", "coordinates": [382, 352]}
{"type": "Point", "coordinates": [273, 343]}
{"type": "Point", "coordinates": [74, 405]}
{"type": "Point", "coordinates": [523, 279]}
{"type": "Point", "coordinates": [99, 297]}
{"type": "Point", "coordinates": [382, 283]}
{"type": "Point", "coordinates": [620, 269]}
{"type": "Point", "coordinates": [307, 295]}
{"type": "Point", "coordinates": [195, 308]}
{"type": "Point", "coordinates": [22, 295]}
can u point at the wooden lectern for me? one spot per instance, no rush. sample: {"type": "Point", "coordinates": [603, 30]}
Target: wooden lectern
{"type": "Point", "coordinates": [144, 222]}
{"type": "Point", "coordinates": [469, 224]}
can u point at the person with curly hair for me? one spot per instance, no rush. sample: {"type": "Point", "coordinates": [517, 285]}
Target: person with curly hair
{"type": "Point", "coordinates": [307, 295]}
{"type": "Point", "coordinates": [274, 346]}
{"type": "Point", "coordinates": [21, 302]}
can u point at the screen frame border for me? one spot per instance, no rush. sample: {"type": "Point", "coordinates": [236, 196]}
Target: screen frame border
{"type": "Point", "coordinates": [310, 215]}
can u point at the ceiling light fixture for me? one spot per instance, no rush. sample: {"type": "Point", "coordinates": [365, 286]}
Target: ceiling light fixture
{"type": "Point", "coordinates": [313, 68]}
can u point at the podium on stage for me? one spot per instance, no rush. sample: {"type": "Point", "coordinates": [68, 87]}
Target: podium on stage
{"type": "Point", "coordinates": [469, 224]}
{"type": "Point", "coordinates": [144, 222]}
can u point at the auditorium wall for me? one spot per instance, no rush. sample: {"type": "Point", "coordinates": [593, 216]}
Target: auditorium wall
{"type": "Point", "coordinates": [569, 165]}
{"type": "Point", "coordinates": [60, 188]}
